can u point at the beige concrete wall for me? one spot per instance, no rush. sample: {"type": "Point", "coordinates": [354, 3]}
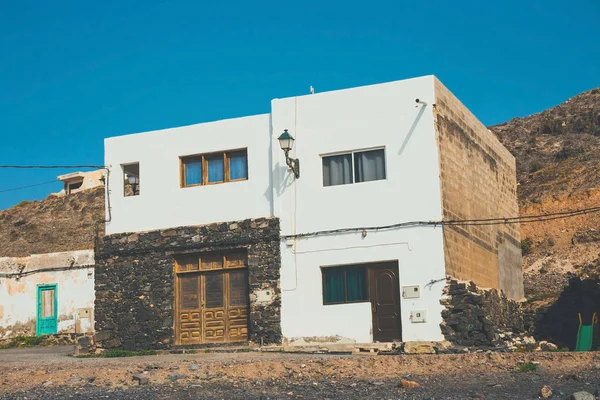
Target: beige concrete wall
{"type": "Point", "coordinates": [478, 181]}
{"type": "Point", "coordinates": [71, 271]}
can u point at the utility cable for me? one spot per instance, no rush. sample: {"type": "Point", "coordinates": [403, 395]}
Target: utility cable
{"type": "Point", "coordinates": [49, 166]}
{"type": "Point", "coordinates": [458, 222]}
{"type": "Point", "coordinates": [28, 186]}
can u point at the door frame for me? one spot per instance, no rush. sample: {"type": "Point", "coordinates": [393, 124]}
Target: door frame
{"type": "Point", "coordinates": [371, 268]}
{"type": "Point", "coordinates": [201, 274]}
{"type": "Point", "coordinates": [40, 288]}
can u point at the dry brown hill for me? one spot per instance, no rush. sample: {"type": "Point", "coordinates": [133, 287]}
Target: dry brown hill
{"type": "Point", "coordinates": [52, 225]}
{"type": "Point", "coordinates": [558, 164]}
{"type": "Point", "coordinates": [557, 150]}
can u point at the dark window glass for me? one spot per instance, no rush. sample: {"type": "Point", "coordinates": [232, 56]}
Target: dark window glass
{"type": "Point", "coordinates": [238, 289]}
{"type": "Point", "coordinates": [337, 170]}
{"type": "Point", "coordinates": [214, 290]}
{"type": "Point", "coordinates": [189, 292]}
{"type": "Point", "coordinates": [369, 165]}
{"type": "Point", "coordinates": [356, 284]}
{"type": "Point", "coordinates": [344, 284]}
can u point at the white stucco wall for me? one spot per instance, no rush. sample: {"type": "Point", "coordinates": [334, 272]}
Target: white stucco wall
{"type": "Point", "coordinates": [162, 203]}
{"type": "Point", "coordinates": [75, 291]}
{"type": "Point", "coordinates": [383, 115]}
{"type": "Point", "coordinates": [360, 118]}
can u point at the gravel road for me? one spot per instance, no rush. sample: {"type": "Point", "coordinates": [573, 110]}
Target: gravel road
{"type": "Point", "coordinates": [44, 373]}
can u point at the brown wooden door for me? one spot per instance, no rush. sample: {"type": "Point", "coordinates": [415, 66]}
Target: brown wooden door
{"type": "Point", "coordinates": [385, 302]}
{"type": "Point", "coordinates": [212, 301]}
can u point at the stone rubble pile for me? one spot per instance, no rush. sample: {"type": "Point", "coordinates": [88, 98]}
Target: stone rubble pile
{"type": "Point", "coordinates": [485, 319]}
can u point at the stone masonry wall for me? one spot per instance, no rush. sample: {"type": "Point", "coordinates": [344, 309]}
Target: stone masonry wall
{"type": "Point", "coordinates": [478, 181]}
{"type": "Point", "coordinates": [135, 281]}
{"type": "Point", "coordinates": [474, 317]}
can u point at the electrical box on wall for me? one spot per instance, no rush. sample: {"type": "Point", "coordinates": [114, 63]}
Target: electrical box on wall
{"type": "Point", "coordinates": [411, 292]}
{"type": "Point", "coordinates": [418, 316]}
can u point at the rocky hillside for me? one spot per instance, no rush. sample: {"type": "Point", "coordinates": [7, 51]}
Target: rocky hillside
{"type": "Point", "coordinates": [557, 150]}
{"type": "Point", "coordinates": [52, 225]}
{"type": "Point", "coordinates": [558, 164]}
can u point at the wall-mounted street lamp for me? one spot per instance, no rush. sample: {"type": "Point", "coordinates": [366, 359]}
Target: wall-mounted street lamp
{"type": "Point", "coordinates": [286, 141]}
{"type": "Point", "coordinates": [134, 181]}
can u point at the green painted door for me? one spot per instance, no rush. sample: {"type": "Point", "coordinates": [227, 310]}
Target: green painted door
{"type": "Point", "coordinates": [47, 321]}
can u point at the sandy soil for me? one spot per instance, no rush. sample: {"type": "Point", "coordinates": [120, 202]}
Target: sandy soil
{"type": "Point", "coordinates": [47, 373]}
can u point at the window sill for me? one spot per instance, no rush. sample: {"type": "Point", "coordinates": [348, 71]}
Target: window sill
{"type": "Point", "coordinates": [212, 183]}
{"type": "Point", "coordinates": [346, 302]}
{"type": "Point", "coordinates": [357, 183]}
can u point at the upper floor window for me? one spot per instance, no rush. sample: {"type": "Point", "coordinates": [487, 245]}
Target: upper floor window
{"type": "Point", "coordinates": [354, 167]}
{"type": "Point", "coordinates": [131, 179]}
{"type": "Point", "coordinates": [206, 169]}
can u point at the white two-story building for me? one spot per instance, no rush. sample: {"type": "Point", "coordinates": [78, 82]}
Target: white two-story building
{"type": "Point", "coordinates": [217, 235]}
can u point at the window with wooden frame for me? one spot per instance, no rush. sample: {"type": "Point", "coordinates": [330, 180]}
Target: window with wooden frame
{"type": "Point", "coordinates": [210, 261]}
{"type": "Point", "coordinates": [211, 168]}
{"type": "Point", "coordinates": [347, 284]}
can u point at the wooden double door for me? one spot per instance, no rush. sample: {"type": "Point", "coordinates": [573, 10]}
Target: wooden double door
{"type": "Point", "coordinates": [211, 298]}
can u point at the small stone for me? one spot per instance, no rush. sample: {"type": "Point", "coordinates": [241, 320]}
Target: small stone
{"type": "Point", "coordinates": [194, 367]}
{"type": "Point", "coordinates": [176, 377]}
{"type": "Point", "coordinates": [47, 383]}
{"type": "Point", "coordinates": [74, 379]}
{"type": "Point", "coordinates": [597, 366]}
{"type": "Point", "coordinates": [141, 378]}
{"type": "Point", "coordinates": [547, 346]}
{"type": "Point", "coordinates": [546, 392]}
{"type": "Point", "coordinates": [303, 366]}
{"type": "Point", "coordinates": [582, 396]}
{"type": "Point", "coordinates": [405, 383]}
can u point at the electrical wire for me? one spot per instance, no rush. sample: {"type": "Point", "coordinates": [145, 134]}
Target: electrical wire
{"type": "Point", "coordinates": [457, 222]}
{"type": "Point", "coordinates": [28, 186]}
{"type": "Point", "coordinates": [49, 166]}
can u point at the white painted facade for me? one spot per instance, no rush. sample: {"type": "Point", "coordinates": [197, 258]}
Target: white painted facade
{"type": "Point", "coordinates": [72, 272]}
{"type": "Point", "coordinates": [379, 116]}
{"type": "Point", "coordinates": [162, 202]}
{"type": "Point", "coordinates": [362, 118]}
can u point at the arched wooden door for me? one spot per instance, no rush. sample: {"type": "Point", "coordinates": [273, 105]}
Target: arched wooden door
{"type": "Point", "coordinates": [385, 302]}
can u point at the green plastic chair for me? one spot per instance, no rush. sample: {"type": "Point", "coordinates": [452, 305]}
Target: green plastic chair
{"type": "Point", "coordinates": [585, 335]}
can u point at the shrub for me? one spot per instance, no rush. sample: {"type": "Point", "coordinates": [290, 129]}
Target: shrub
{"type": "Point", "coordinates": [527, 367]}
{"type": "Point", "coordinates": [119, 353]}
{"type": "Point", "coordinates": [526, 246]}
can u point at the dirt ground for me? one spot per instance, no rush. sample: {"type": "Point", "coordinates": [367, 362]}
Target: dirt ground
{"type": "Point", "coordinates": [49, 373]}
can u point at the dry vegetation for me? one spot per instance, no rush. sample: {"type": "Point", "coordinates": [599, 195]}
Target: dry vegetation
{"type": "Point", "coordinates": [558, 159]}
{"type": "Point", "coordinates": [52, 225]}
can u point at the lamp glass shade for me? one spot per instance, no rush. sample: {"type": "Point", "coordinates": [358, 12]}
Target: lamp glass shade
{"type": "Point", "coordinates": [286, 141]}
{"type": "Point", "coordinates": [133, 180]}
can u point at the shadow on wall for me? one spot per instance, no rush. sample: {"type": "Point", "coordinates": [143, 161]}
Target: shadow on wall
{"type": "Point", "coordinates": [559, 323]}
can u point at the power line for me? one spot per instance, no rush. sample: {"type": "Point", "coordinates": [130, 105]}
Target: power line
{"type": "Point", "coordinates": [458, 222]}
{"type": "Point", "coordinates": [28, 186]}
{"type": "Point", "coordinates": [49, 166]}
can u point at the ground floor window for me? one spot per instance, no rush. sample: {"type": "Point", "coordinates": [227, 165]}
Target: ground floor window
{"type": "Point", "coordinates": [346, 284]}
{"type": "Point", "coordinates": [377, 283]}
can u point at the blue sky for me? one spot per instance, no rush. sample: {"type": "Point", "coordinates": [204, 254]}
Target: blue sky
{"type": "Point", "coordinates": [73, 73]}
